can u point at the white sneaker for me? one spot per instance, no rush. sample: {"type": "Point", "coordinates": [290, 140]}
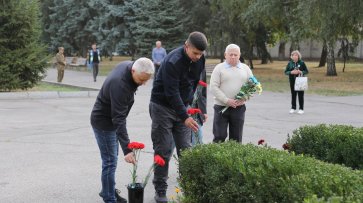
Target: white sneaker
{"type": "Point", "coordinates": [292, 111]}
{"type": "Point", "coordinates": [300, 111]}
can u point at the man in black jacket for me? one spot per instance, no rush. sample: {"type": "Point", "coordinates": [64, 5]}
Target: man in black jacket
{"type": "Point", "coordinates": [108, 118]}
{"type": "Point", "coordinates": [172, 93]}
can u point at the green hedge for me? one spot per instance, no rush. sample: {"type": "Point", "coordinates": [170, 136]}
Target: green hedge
{"type": "Point", "coordinates": [231, 172]}
{"type": "Point", "coordinates": [338, 144]}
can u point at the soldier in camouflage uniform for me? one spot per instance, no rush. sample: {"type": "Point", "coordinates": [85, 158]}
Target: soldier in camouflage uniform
{"type": "Point", "coordinates": [61, 63]}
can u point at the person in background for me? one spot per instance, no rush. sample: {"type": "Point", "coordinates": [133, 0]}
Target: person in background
{"type": "Point", "coordinates": [61, 63]}
{"type": "Point", "coordinates": [226, 81]}
{"type": "Point", "coordinates": [294, 68]}
{"type": "Point", "coordinates": [158, 55]}
{"type": "Point", "coordinates": [108, 119]}
{"type": "Point", "coordinates": [94, 60]}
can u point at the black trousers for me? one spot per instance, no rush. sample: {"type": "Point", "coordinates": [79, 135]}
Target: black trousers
{"type": "Point", "coordinates": [233, 118]}
{"type": "Point", "coordinates": [157, 66]}
{"type": "Point", "coordinates": [95, 70]}
{"type": "Point", "coordinates": [300, 94]}
{"type": "Point", "coordinates": [166, 127]}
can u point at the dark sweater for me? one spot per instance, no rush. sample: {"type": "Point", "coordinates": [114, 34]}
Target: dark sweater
{"type": "Point", "coordinates": [176, 81]}
{"type": "Point", "coordinates": [114, 102]}
{"type": "Point", "coordinates": [299, 65]}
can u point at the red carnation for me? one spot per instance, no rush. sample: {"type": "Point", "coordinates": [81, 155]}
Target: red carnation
{"type": "Point", "coordinates": [159, 160]}
{"type": "Point", "coordinates": [286, 146]}
{"type": "Point", "coordinates": [136, 145]}
{"type": "Point", "coordinates": [193, 111]}
{"type": "Point", "coordinates": [261, 141]}
{"type": "Point", "coordinates": [202, 83]}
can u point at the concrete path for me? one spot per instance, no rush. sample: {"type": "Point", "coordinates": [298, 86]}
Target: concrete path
{"type": "Point", "coordinates": [48, 152]}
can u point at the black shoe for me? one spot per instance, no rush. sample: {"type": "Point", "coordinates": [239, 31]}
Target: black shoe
{"type": "Point", "coordinates": [160, 197]}
{"type": "Point", "coordinates": [118, 197]}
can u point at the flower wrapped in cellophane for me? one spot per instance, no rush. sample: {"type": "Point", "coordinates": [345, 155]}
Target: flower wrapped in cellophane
{"type": "Point", "coordinates": [247, 90]}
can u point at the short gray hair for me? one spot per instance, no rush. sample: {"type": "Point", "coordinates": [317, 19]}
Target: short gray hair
{"type": "Point", "coordinates": [296, 52]}
{"type": "Point", "coordinates": [232, 46]}
{"type": "Point", "coordinates": [143, 65]}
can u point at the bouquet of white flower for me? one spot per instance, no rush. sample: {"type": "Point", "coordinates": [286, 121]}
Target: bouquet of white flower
{"type": "Point", "coordinates": [247, 90]}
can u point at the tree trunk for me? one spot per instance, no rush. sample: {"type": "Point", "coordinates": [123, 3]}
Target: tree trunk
{"type": "Point", "coordinates": [215, 50]}
{"type": "Point", "coordinates": [344, 51]}
{"type": "Point", "coordinates": [294, 46]}
{"type": "Point", "coordinates": [221, 53]}
{"type": "Point", "coordinates": [331, 70]}
{"type": "Point", "coordinates": [221, 46]}
{"type": "Point", "coordinates": [265, 56]}
{"type": "Point", "coordinates": [324, 54]}
{"type": "Point", "coordinates": [250, 57]}
{"type": "Point", "coordinates": [282, 50]}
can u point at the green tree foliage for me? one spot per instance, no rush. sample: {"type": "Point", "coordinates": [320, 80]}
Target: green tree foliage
{"type": "Point", "coordinates": [133, 26]}
{"type": "Point", "coordinates": [68, 28]}
{"type": "Point", "coordinates": [45, 6]}
{"type": "Point", "coordinates": [107, 24]}
{"type": "Point", "coordinates": [225, 26]}
{"type": "Point", "coordinates": [201, 13]}
{"type": "Point", "coordinates": [147, 21]}
{"type": "Point", "coordinates": [23, 58]}
{"type": "Point", "coordinates": [331, 19]}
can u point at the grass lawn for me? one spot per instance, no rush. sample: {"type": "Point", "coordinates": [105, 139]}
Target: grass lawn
{"type": "Point", "coordinates": [106, 65]}
{"type": "Point", "coordinates": [43, 86]}
{"type": "Point", "coordinates": [273, 79]}
{"type": "Point", "coordinates": [348, 83]}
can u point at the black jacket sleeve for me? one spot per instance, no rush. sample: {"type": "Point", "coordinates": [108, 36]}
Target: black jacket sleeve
{"type": "Point", "coordinates": [121, 103]}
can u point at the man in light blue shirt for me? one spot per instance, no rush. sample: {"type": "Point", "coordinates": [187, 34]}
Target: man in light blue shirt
{"type": "Point", "coordinates": [158, 55]}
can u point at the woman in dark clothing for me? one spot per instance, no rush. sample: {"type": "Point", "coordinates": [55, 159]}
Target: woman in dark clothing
{"type": "Point", "coordinates": [294, 68]}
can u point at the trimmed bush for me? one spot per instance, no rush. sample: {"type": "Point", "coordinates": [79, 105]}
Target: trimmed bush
{"type": "Point", "coordinates": [338, 144]}
{"type": "Point", "coordinates": [231, 172]}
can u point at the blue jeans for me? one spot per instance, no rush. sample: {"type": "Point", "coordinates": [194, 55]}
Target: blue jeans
{"type": "Point", "coordinates": [108, 145]}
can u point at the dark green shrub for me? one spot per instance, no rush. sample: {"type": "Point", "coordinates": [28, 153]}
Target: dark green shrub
{"type": "Point", "coordinates": [23, 57]}
{"type": "Point", "coordinates": [230, 172]}
{"type": "Point", "coordinates": [338, 144]}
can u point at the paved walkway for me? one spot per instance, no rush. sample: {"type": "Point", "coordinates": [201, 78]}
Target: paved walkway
{"type": "Point", "coordinates": [48, 152]}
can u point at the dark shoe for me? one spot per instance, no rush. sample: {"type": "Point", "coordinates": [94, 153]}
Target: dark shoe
{"type": "Point", "coordinates": [160, 197]}
{"type": "Point", "coordinates": [118, 197]}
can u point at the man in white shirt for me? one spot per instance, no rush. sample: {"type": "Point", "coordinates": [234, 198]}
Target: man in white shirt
{"type": "Point", "coordinates": [226, 81]}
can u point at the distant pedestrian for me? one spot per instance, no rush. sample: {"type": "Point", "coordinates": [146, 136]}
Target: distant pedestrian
{"type": "Point", "coordinates": [294, 68]}
{"type": "Point", "coordinates": [158, 55]}
{"type": "Point", "coordinates": [94, 60]}
{"type": "Point", "coordinates": [61, 63]}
